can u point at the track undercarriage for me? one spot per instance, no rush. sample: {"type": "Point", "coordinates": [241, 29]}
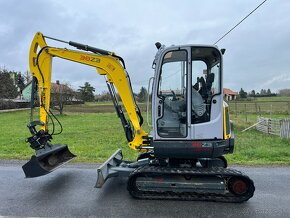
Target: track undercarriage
{"type": "Point", "coordinates": [152, 179]}
{"type": "Point", "coordinates": [212, 184]}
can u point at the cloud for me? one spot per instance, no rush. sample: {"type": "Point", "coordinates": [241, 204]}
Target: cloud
{"type": "Point", "coordinates": [277, 82]}
{"type": "Point", "coordinates": [279, 78]}
{"type": "Point", "coordinates": [256, 50]}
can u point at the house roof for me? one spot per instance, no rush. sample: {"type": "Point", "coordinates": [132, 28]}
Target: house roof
{"type": "Point", "coordinates": [229, 92]}
{"type": "Point", "coordinates": [57, 87]}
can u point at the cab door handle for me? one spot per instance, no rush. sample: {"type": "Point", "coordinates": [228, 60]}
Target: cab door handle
{"type": "Point", "coordinates": [159, 111]}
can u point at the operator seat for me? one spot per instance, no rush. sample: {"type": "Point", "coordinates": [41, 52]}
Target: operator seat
{"type": "Point", "coordinates": [203, 89]}
{"type": "Point", "coordinates": [209, 81]}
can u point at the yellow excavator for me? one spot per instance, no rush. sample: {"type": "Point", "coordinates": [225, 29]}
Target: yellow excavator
{"type": "Point", "coordinates": [183, 156]}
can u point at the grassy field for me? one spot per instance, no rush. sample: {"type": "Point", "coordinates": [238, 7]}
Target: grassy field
{"type": "Point", "coordinates": [269, 99]}
{"type": "Point", "coordinates": [261, 105]}
{"type": "Point", "coordinates": [96, 107]}
{"type": "Point", "coordinates": [255, 148]}
{"type": "Point", "coordinates": [93, 137]}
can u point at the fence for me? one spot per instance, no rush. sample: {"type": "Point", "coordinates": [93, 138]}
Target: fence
{"type": "Point", "coordinates": [268, 107]}
{"type": "Point", "coordinates": [13, 104]}
{"type": "Point", "coordinates": [274, 126]}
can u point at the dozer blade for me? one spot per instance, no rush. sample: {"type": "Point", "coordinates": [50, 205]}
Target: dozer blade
{"type": "Point", "coordinates": [47, 160]}
{"type": "Point", "coordinates": [115, 166]}
{"type": "Point", "coordinates": [109, 168]}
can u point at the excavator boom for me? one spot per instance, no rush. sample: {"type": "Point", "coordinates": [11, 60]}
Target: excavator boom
{"type": "Point", "coordinates": [48, 156]}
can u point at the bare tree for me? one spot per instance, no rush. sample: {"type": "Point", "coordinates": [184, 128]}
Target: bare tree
{"type": "Point", "coordinates": [61, 94]}
{"type": "Point", "coordinates": [284, 92]}
{"type": "Point", "coordinates": [27, 77]}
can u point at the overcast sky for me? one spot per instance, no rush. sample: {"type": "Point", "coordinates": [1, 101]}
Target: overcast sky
{"type": "Point", "coordinates": [257, 52]}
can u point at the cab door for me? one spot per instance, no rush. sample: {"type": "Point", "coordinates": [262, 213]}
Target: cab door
{"type": "Point", "coordinates": [170, 95]}
{"type": "Point", "coordinates": [187, 94]}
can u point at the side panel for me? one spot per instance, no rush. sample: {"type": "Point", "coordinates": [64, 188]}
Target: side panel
{"type": "Point", "coordinates": [190, 149]}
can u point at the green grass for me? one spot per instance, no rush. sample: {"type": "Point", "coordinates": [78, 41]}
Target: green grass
{"type": "Point", "coordinates": [96, 107]}
{"type": "Point", "coordinates": [257, 105]}
{"type": "Point", "coordinates": [255, 148]}
{"type": "Point", "coordinates": [93, 137]}
{"type": "Point", "coordinates": [274, 98]}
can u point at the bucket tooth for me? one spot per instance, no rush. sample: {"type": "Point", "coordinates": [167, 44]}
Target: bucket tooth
{"type": "Point", "coordinates": [47, 160]}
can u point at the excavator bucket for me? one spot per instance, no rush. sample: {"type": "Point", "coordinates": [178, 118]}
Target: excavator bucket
{"type": "Point", "coordinates": [47, 160]}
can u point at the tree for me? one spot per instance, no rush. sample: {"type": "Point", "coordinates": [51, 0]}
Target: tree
{"type": "Point", "coordinates": [87, 92]}
{"type": "Point", "coordinates": [61, 94]}
{"type": "Point", "coordinates": [7, 87]}
{"type": "Point", "coordinates": [20, 82]}
{"type": "Point", "coordinates": [253, 93]}
{"type": "Point", "coordinates": [242, 94]}
{"type": "Point", "coordinates": [142, 96]}
{"type": "Point", "coordinates": [105, 96]}
{"type": "Point", "coordinates": [269, 92]}
{"type": "Point", "coordinates": [263, 92]}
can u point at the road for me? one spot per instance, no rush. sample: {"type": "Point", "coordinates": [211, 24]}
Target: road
{"type": "Point", "coordinates": [70, 192]}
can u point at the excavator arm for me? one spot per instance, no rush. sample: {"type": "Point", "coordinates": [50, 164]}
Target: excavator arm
{"type": "Point", "coordinates": [50, 156]}
{"type": "Point", "coordinates": [106, 63]}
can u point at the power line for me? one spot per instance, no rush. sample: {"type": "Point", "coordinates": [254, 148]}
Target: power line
{"type": "Point", "coordinates": [240, 22]}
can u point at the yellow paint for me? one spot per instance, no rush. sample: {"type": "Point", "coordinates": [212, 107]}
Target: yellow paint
{"type": "Point", "coordinates": [105, 64]}
{"type": "Point", "coordinates": [226, 136]}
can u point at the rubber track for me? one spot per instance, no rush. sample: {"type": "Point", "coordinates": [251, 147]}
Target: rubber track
{"type": "Point", "coordinates": [148, 171]}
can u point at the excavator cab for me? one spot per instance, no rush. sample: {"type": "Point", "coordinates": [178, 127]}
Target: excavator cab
{"type": "Point", "coordinates": [187, 93]}
{"type": "Point", "coordinates": [188, 108]}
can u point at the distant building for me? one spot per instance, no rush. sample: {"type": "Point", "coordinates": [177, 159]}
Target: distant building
{"type": "Point", "coordinates": [26, 92]}
{"type": "Point", "coordinates": [229, 95]}
{"type": "Point", "coordinates": [55, 88]}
